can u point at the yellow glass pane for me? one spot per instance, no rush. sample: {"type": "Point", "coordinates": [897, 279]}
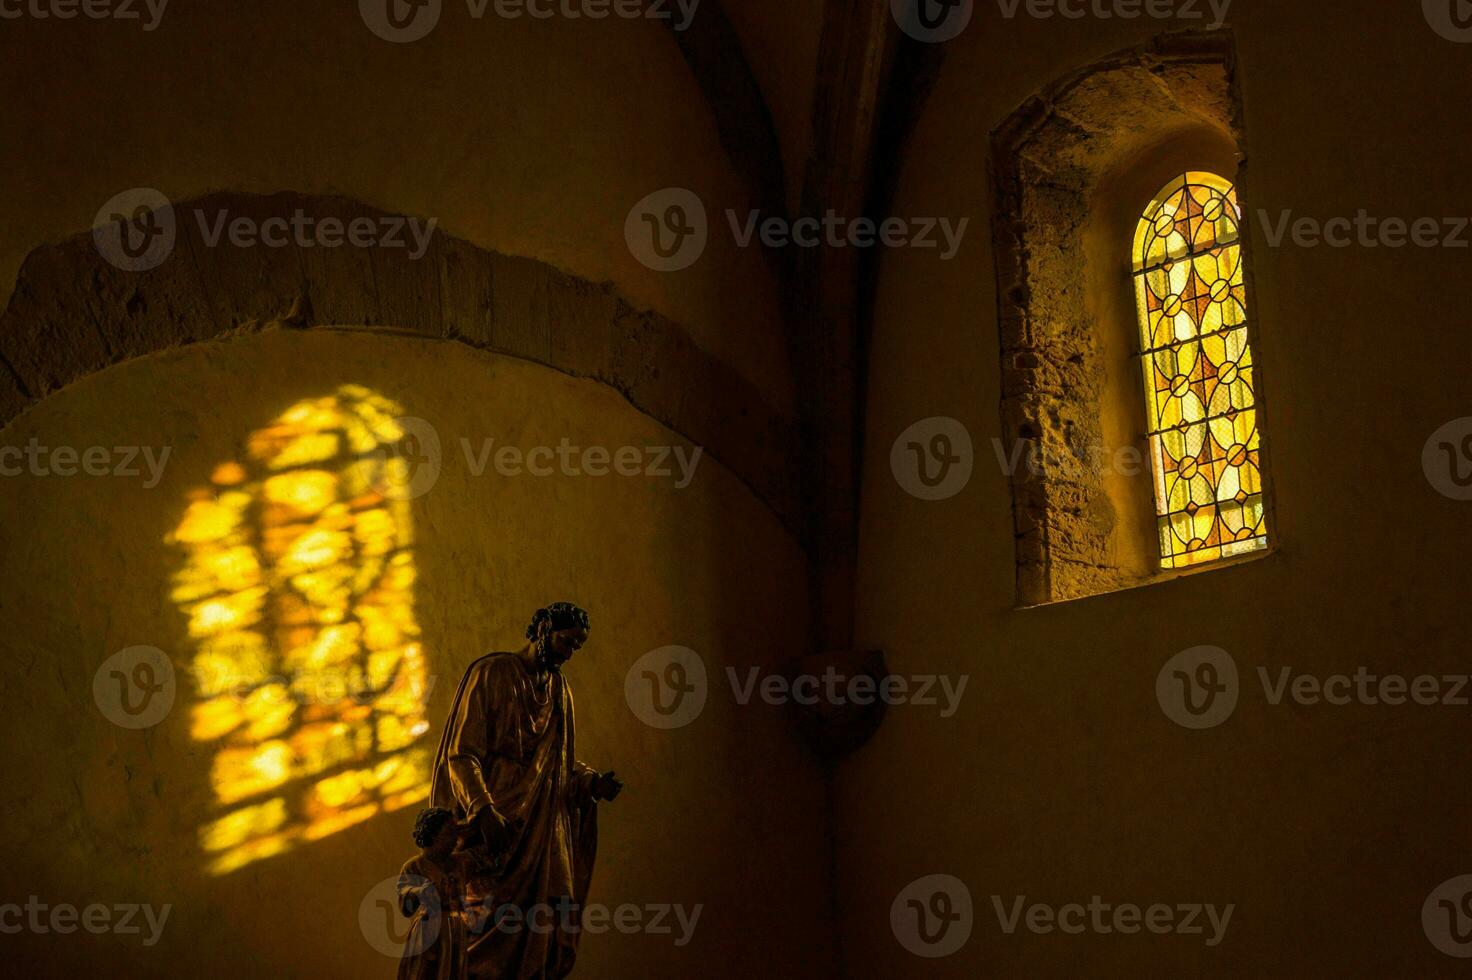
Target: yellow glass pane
{"type": "Point", "coordinates": [1198, 371]}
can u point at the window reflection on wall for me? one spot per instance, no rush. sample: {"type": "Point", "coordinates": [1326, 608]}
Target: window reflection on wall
{"type": "Point", "coordinates": [298, 587]}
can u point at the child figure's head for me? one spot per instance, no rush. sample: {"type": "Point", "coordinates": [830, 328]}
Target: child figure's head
{"type": "Point", "coordinates": [434, 831]}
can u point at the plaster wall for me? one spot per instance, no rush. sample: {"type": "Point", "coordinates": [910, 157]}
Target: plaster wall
{"type": "Point", "coordinates": [725, 813]}
{"type": "Point", "coordinates": [1060, 778]}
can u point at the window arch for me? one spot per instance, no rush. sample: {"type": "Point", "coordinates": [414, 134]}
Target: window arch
{"type": "Point", "coordinates": [1073, 168]}
{"type": "Point", "coordinates": [1196, 360]}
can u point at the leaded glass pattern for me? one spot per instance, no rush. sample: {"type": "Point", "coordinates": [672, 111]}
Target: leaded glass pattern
{"type": "Point", "coordinates": [1205, 447]}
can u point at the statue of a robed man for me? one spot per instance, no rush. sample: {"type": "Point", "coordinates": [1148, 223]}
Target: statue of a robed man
{"type": "Point", "coordinates": [507, 767]}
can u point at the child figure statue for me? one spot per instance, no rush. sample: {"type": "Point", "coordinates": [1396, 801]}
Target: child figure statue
{"type": "Point", "coordinates": [435, 894]}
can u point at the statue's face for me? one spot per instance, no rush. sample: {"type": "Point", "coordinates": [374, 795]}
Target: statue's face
{"type": "Point", "coordinates": [559, 646]}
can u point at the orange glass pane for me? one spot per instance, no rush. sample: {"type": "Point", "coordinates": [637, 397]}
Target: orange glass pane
{"type": "Point", "coordinates": [1197, 365]}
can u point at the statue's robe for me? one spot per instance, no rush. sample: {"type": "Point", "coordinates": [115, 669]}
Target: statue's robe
{"type": "Point", "coordinates": [509, 741]}
{"type": "Point", "coordinates": [433, 897]}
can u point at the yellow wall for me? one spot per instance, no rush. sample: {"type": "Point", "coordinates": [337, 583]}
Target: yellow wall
{"type": "Point", "coordinates": [529, 137]}
{"type": "Point", "coordinates": [1061, 778]}
{"type": "Point", "coordinates": [725, 812]}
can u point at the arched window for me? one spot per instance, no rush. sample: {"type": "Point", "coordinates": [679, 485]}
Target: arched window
{"type": "Point", "coordinates": [1073, 168]}
{"type": "Point", "coordinates": [1200, 407]}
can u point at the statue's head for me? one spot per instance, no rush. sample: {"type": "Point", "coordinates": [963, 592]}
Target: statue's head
{"type": "Point", "coordinates": [434, 829]}
{"type": "Point", "coordinates": [557, 632]}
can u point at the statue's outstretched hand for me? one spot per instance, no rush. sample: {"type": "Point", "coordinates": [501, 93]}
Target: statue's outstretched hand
{"type": "Point", "coordinates": [607, 787]}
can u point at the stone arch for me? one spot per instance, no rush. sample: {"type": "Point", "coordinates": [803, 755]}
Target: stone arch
{"type": "Point", "coordinates": [72, 313]}
{"type": "Point", "coordinates": [1068, 168]}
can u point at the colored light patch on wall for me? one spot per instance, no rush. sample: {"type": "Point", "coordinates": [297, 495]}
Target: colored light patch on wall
{"type": "Point", "coordinates": [298, 587]}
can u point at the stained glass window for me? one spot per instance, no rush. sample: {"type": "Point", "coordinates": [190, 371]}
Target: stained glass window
{"type": "Point", "coordinates": [1205, 447]}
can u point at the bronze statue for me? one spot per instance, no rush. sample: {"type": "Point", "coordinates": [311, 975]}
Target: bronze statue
{"type": "Point", "coordinates": [507, 768]}
{"type": "Point", "coordinates": [434, 892]}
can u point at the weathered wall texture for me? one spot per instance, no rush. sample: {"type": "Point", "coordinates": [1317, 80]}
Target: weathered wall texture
{"type": "Point", "coordinates": [1050, 159]}
{"type": "Point", "coordinates": [53, 333]}
{"type": "Point", "coordinates": [529, 142]}
{"type": "Point", "coordinates": [528, 137]}
{"type": "Point", "coordinates": [725, 812]}
{"type": "Point", "coordinates": [1060, 778]}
